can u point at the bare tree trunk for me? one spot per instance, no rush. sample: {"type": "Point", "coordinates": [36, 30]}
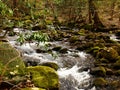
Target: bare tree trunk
{"type": "Point", "coordinates": [93, 16]}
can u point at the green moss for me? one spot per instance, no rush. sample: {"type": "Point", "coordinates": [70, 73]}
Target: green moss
{"type": "Point", "coordinates": [73, 39]}
{"type": "Point", "coordinates": [10, 59]}
{"type": "Point", "coordinates": [98, 71]}
{"type": "Point", "coordinates": [116, 65]}
{"type": "Point", "coordinates": [103, 60]}
{"type": "Point", "coordinates": [115, 84]}
{"type": "Point", "coordinates": [100, 82]}
{"type": "Point", "coordinates": [117, 72]}
{"type": "Point", "coordinates": [32, 89]}
{"type": "Point", "coordinates": [117, 48]}
{"type": "Point", "coordinates": [108, 53]}
{"type": "Point", "coordinates": [51, 64]}
{"type": "Point", "coordinates": [44, 77]}
{"type": "Point", "coordinates": [94, 50]}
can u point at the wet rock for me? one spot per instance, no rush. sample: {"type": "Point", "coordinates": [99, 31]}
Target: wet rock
{"type": "Point", "coordinates": [31, 63]}
{"type": "Point", "coordinates": [84, 46]}
{"type": "Point", "coordinates": [94, 50]}
{"type": "Point", "coordinates": [51, 64]}
{"type": "Point", "coordinates": [39, 27]}
{"type": "Point", "coordinates": [117, 48]}
{"type": "Point", "coordinates": [108, 53]}
{"type": "Point", "coordinates": [100, 82]}
{"type": "Point", "coordinates": [103, 60]}
{"type": "Point", "coordinates": [117, 33]}
{"type": "Point", "coordinates": [115, 84]}
{"type": "Point", "coordinates": [90, 36]}
{"type": "Point", "coordinates": [116, 65]}
{"type": "Point", "coordinates": [117, 73]}
{"type": "Point", "coordinates": [109, 71]}
{"type": "Point", "coordinates": [57, 48]}
{"type": "Point", "coordinates": [63, 50]}
{"type": "Point", "coordinates": [40, 51]}
{"type": "Point", "coordinates": [44, 77]}
{"type": "Point", "coordinates": [6, 85]}
{"type": "Point", "coordinates": [73, 39]}
{"type": "Point", "coordinates": [98, 71]}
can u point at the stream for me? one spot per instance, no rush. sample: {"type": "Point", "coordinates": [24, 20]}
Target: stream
{"type": "Point", "coordinates": [73, 65]}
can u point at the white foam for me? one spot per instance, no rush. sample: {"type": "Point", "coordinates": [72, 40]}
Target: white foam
{"type": "Point", "coordinates": [113, 37]}
{"type": "Point", "coordinates": [79, 76]}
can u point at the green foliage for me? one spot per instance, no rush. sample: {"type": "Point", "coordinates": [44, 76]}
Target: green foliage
{"type": "Point", "coordinates": [21, 39]}
{"type": "Point", "coordinates": [35, 36]}
{"type": "Point", "coordinates": [5, 10]}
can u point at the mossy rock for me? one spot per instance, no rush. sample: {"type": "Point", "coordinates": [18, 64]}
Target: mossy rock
{"type": "Point", "coordinates": [116, 65]}
{"type": "Point", "coordinates": [94, 50]}
{"type": "Point", "coordinates": [81, 32]}
{"type": "Point", "coordinates": [44, 77]}
{"type": "Point", "coordinates": [117, 72]}
{"type": "Point", "coordinates": [51, 64]}
{"type": "Point", "coordinates": [73, 39]}
{"type": "Point", "coordinates": [109, 71]}
{"type": "Point", "coordinates": [34, 88]}
{"type": "Point", "coordinates": [10, 60]}
{"type": "Point", "coordinates": [85, 46]}
{"type": "Point", "coordinates": [115, 84]}
{"type": "Point", "coordinates": [117, 48]}
{"type": "Point", "coordinates": [90, 36]}
{"type": "Point", "coordinates": [108, 53]}
{"type": "Point", "coordinates": [103, 60]}
{"type": "Point", "coordinates": [100, 82]}
{"type": "Point", "coordinates": [98, 71]}
{"type": "Point", "coordinates": [57, 48]}
{"type": "Point", "coordinates": [63, 50]}
{"type": "Point", "coordinates": [39, 27]}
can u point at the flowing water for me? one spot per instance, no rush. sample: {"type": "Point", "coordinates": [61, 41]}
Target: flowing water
{"type": "Point", "coordinates": [114, 37]}
{"type": "Point", "coordinates": [73, 66]}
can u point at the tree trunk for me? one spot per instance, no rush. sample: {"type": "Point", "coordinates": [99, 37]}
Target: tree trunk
{"type": "Point", "coordinates": [112, 8]}
{"type": "Point", "coordinates": [93, 16]}
{"type": "Point", "coordinates": [15, 3]}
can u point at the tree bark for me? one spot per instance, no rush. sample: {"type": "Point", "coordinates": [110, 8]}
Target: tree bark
{"type": "Point", "coordinates": [93, 16]}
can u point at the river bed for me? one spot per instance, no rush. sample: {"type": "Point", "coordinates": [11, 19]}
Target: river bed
{"type": "Point", "coordinates": [73, 65]}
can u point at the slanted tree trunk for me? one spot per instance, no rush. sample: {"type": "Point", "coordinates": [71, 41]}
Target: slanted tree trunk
{"type": "Point", "coordinates": [93, 16]}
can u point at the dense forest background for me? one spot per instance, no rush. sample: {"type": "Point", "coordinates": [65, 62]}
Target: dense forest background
{"type": "Point", "coordinates": [74, 13]}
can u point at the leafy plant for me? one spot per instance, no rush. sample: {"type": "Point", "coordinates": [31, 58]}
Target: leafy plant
{"type": "Point", "coordinates": [21, 39]}
{"type": "Point", "coordinates": [5, 10]}
{"type": "Point", "coordinates": [35, 36]}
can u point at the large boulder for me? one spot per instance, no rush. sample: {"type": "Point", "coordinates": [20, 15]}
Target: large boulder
{"type": "Point", "coordinates": [44, 77]}
{"type": "Point", "coordinates": [108, 53]}
{"type": "Point", "coordinates": [11, 62]}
